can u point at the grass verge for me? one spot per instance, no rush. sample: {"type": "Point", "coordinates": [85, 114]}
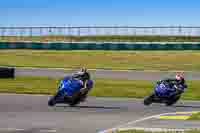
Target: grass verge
{"type": "Point", "coordinates": [102, 88]}
{"type": "Point", "coordinates": [107, 38]}
{"type": "Point", "coordinates": [195, 116]}
{"type": "Point", "coordinates": [139, 60]}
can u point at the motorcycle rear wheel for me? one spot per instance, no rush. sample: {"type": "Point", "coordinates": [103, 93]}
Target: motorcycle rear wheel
{"type": "Point", "coordinates": [172, 101]}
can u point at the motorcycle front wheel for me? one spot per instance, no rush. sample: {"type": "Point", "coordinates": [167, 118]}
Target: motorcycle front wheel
{"type": "Point", "coordinates": [51, 101]}
{"type": "Point", "coordinates": [149, 100]}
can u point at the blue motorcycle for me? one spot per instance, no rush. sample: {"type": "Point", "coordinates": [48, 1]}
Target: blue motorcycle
{"type": "Point", "coordinates": [164, 92]}
{"type": "Point", "coordinates": [69, 92]}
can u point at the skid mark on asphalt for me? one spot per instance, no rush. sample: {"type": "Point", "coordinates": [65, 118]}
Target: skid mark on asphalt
{"type": "Point", "coordinates": [115, 129]}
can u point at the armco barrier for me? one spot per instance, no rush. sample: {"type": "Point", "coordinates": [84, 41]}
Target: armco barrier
{"type": "Point", "coordinates": [102, 46]}
{"type": "Point", "coordinates": [7, 72]}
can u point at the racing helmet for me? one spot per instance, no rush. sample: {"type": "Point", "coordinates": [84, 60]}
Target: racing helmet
{"type": "Point", "coordinates": [86, 74]}
{"type": "Point", "coordinates": [83, 69]}
{"type": "Point", "coordinates": [82, 74]}
{"type": "Point", "coordinates": [179, 76]}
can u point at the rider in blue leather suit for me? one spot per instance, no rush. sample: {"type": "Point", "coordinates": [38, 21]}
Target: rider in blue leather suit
{"type": "Point", "coordinates": [174, 86]}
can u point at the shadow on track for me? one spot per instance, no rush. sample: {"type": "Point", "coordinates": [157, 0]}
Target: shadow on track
{"type": "Point", "coordinates": [91, 107]}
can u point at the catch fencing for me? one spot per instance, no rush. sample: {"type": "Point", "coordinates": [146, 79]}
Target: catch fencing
{"type": "Point", "coordinates": [101, 34]}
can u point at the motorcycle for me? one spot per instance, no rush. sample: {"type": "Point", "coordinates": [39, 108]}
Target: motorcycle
{"type": "Point", "coordinates": [69, 92]}
{"type": "Point", "coordinates": [167, 96]}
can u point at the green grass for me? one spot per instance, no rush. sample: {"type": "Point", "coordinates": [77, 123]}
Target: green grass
{"type": "Point", "coordinates": [103, 87]}
{"type": "Point", "coordinates": [108, 38]}
{"type": "Point", "coordinates": [133, 131]}
{"type": "Point", "coordinates": [195, 116]}
{"type": "Point", "coordinates": [140, 60]}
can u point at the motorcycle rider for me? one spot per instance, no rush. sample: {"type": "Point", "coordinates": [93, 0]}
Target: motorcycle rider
{"type": "Point", "coordinates": [84, 76]}
{"type": "Point", "coordinates": [73, 89]}
{"type": "Point", "coordinates": [167, 91]}
{"type": "Point", "coordinates": [178, 83]}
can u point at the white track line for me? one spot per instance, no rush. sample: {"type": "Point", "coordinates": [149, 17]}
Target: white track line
{"type": "Point", "coordinates": [154, 129]}
{"type": "Point", "coordinates": [21, 94]}
{"type": "Point", "coordinates": [48, 131]}
{"type": "Point", "coordinates": [17, 129]}
{"type": "Point", "coordinates": [11, 129]}
{"type": "Point", "coordinates": [136, 121]}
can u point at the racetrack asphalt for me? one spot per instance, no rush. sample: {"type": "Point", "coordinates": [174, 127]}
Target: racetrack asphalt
{"type": "Point", "coordinates": [31, 114]}
{"type": "Point", "coordinates": [101, 73]}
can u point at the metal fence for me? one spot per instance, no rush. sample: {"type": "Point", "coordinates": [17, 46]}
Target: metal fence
{"type": "Point", "coordinates": [58, 32]}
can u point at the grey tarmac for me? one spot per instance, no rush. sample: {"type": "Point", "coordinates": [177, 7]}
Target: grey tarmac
{"type": "Point", "coordinates": [31, 114]}
{"type": "Point", "coordinates": [102, 73]}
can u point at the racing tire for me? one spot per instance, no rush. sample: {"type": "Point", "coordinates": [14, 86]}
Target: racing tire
{"type": "Point", "coordinates": [84, 96]}
{"type": "Point", "coordinates": [173, 101]}
{"type": "Point", "coordinates": [51, 101]}
{"type": "Point", "coordinates": [148, 100]}
{"type": "Point", "coordinates": [74, 103]}
{"type": "Point", "coordinates": [76, 99]}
